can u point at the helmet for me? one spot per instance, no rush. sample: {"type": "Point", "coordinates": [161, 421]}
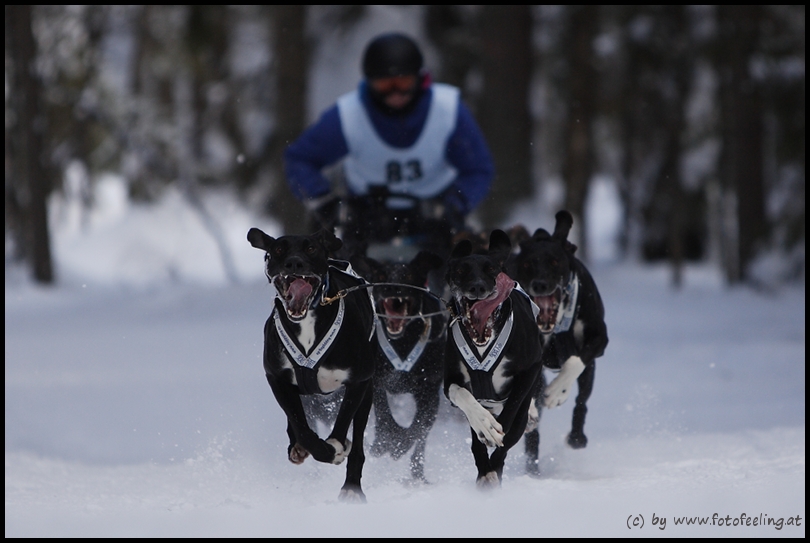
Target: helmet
{"type": "Point", "coordinates": [391, 54]}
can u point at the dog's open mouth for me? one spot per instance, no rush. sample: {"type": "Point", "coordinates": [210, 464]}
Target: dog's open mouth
{"type": "Point", "coordinates": [297, 292]}
{"type": "Point", "coordinates": [549, 306]}
{"type": "Point", "coordinates": [479, 316]}
{"type": "Point", "coordinates": [396, 310]}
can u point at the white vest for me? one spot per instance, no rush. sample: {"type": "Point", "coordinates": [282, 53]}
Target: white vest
{"type": "Point", "coordinates": [420, 170]}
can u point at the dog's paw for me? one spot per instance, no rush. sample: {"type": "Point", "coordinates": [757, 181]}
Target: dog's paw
{"type": "Point", "coordinates": [488, 481]}
{"type": "Point", "coordinates": [341, 452]}
{"type": "Point", "coordinates": [351, 494]}
{"type": "Point", "coordinates": [297, 454]}
{"type": "Point", "coordinates": [577, 440]}
{"type": "Point", "coordinates": [534, 417]}
{"type": "Point", "coordinates": [557, 391]}
{"type": "Point", "coordinates": [488, 430]}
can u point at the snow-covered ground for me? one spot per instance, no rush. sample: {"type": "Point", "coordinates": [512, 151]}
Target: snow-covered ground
{"type": "Point", "coordinates": [136, 405]}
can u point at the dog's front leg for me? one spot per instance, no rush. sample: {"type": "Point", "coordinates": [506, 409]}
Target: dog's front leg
{"type": "Point", "coordinates": [305, 439]}
{"type": "Point", "coordinates": [296, 452]}
{"type": "Point", "coordinates": [483, 424]}
{"type": "Point", "coordinates": [351, 490]}
{"type": "Point", "coordinates": [487, 477]}
{"type": "Point", "coordinates": [352, 399]}
{"type": "Point", "coordinates": [516, 407]}
{"type": "Point", "coordinates": [558, 390]}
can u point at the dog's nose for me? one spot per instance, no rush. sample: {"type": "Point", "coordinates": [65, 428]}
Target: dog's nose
{"type": "Point", "coordinates": [294, 265]}
{"type": "Point", "coordinates": [539, 285]}
{"type": "Point", "coordinates": [478, 291]}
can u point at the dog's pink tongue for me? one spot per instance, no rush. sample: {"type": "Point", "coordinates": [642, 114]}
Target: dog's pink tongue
{"type": "Point", "coordinates": [299, 293]}
{"type": "Point", "coordinates": [482, 309]}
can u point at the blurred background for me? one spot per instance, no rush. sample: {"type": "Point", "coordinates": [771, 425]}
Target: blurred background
{"type": "Point", "coordinates": [693, 116]}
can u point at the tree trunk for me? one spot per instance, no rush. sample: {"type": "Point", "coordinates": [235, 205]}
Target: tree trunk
{"type": "Point", "coordinates": [679, 59]}
{"type": "Point", "coordinates": [742, 120]}
{"type": "Point", "coordinates": [31, 173]}
{"type": "Point", "coordinates": [578, 165]}
{"type": "Point", "coordinates": [504, 112]}
{"type": "Point", "coordinates": [291, 54]}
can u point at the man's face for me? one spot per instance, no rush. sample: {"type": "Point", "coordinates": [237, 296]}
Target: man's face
{"type": "Point", "coordinates": [397, 91]}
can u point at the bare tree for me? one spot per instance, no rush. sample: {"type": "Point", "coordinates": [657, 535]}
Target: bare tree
{"type": "Point", "coordinates": [742, 170]}
{"type": "Point", "coordinates": [30, 183]}
{"type": "Point", "coordinates": [291, 52]}
{"type": "Point", "coordinates": [503, 107]}
{"type": "Point", "coordinates": [581, 84]}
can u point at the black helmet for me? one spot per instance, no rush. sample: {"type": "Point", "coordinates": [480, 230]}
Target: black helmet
{"type": "Point", "coordinates": [391, 54]}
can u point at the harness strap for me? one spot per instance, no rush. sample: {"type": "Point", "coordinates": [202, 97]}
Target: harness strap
{"type": "Point", "coordinates": [391, 354]}
{"type": "Point", "coordinates": [311, 359]}
{"type": "Point", "coordinates": [494, 353]}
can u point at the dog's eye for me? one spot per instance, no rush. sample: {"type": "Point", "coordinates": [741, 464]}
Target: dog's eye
{"type": "Point", "coordinates": [310, 250]}
{"type": "Point", "coordinates": [278, 250]}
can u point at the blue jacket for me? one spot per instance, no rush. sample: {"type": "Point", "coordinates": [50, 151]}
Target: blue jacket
{"type": "Point", "coordinates": [324, 144]}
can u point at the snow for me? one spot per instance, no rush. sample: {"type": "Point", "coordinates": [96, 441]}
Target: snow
{"type": "Point", "coordinates": [136, 405]}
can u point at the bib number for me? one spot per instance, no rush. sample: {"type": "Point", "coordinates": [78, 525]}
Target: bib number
{"type": "Point", "coordinates": [396, 172]}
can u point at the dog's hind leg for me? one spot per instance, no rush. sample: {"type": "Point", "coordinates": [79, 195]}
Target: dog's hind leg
{"type": "Point", "coordinates": [577, 438]}
{"type": "Point", "coordinates": [351, 490]}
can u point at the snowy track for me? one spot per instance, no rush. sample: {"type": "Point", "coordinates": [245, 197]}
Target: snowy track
{"type": "Point", "coordinates": [144, 412]}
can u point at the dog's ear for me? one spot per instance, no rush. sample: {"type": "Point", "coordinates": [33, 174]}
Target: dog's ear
{"type": "Point", "coordinates": [463, 248]}
{"type": "Point", "coordinates": [499, 245]}
{"type": "Point", "coordinates": [259, 239]}
{"type": "Point", "coordinates": [564, 223]}
{"type": "Point", "coordinates": [330, 242]}
{"type": "Point", "coordinates": [425, 261]}
{"type": "Point", "coordinates": [541, 234]}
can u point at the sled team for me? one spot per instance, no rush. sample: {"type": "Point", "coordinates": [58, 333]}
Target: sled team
{"type": "Point", "coordinates": [392, 294]}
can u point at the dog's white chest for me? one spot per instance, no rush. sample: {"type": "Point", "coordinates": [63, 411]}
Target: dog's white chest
{"type": "Point", "coordinates": [330, 380]}
{"type": "Point", "coordinates": [306, 335]}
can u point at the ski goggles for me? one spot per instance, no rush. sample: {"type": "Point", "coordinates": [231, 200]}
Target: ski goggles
{"type": "Point", "coordinates": [397, 83]}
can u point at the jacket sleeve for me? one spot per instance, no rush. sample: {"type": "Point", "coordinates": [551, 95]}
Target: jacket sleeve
{"type": "Point", "coordinates": [468, 152]}
{"type": "Point", "coordinates": [319, 146]}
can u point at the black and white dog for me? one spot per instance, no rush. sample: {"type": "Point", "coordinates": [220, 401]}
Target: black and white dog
{"type": "Point", "coordinates": [316, 341]}
{"type": "Point", "coordinates": [571, 323]}
{"type": "Point", "coordinates": [493, 352]}
{"type": "Point", "coordinates": [411, 335]}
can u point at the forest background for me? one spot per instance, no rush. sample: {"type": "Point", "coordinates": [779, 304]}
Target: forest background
{"type": "Point", "coordinates": [695, 114]}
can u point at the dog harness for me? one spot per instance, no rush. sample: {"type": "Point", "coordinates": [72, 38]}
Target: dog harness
{"type": "Point", "coordinates": [481, 367]}
{"type": "Point", "coordinates": [311, 359]}
{"type": "Point", "coordinates": [391, 354]}
{"type": "Point", "coordinates": [305, 366]}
